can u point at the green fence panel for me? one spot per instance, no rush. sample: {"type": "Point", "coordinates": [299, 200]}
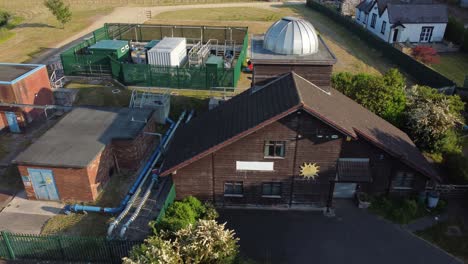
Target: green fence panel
{"type": "Point", "coordinates": [169, 200]}
{"type": "Point", "coordinates": [64, 248]}
{"type": "Point", "coordinates": [420, 72]}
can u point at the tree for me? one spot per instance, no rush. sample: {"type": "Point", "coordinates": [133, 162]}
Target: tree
{"type": "Point", "coordinates": [4, 18]}
{"type": "Point", "coordinates": [426, 54]}
{"type": "Point", "coordinates": [431, 116]}
{"type": "Point", "coordinates": [383, 95]}
{"type": "Point", "coordinates": [61, 11]}
{"type": "Point", "coordinates": [205, 242]}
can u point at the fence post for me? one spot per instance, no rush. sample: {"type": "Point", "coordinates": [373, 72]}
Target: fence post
{"type": "Point", "coordinates": [6, 238]}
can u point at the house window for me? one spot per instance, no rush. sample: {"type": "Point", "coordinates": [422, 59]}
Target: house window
{"type": "Point", "coordinates": [271, 189]}
{"type": "Point", "coordinates": [426, 34]}
{"type": "Point", "coordinates": [233, 188]}
{"type": "Point", "coordinates": [274, 149]}
{"type": "Point", "coordinates": [384, 27]}
{"type": "Point", "coordinates": [403, 180]}
{"type": "Point", "coordinates": [374, 19]}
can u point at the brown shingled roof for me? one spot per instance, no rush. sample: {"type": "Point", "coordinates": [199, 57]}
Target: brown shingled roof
{"type": "Point", "coordinates": [258, 107]}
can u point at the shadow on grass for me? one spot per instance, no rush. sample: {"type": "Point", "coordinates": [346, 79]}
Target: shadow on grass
{"type": "Point", "coordinates": [34, 25]}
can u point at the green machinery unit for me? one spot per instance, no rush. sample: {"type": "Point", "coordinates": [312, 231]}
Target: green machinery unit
{"type": "Point", "coordinates": [118, 49]}
{"type": "Point", "coordinates": [213, 65]}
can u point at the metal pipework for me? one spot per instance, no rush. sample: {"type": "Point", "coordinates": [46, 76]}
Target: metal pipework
{"type": "Point", "coordinates": [160, 149]}
{"type": "Point", "coordinates": [154, 180]}
{"type": "Point", "coordinates": [131, 192]}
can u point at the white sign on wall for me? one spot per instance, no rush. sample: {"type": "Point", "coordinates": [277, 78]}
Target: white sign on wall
{"type": "Point", "coordinates": [254, 166]}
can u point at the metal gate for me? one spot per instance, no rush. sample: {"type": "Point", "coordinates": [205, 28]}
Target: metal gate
{"type": "Point", "coordinates": [44, 184]}
{"type": "Point", "coordinates": [12, 122]}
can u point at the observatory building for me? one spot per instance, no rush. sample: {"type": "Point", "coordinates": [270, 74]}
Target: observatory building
{"type": "Point", "coordinates": [291, 44]}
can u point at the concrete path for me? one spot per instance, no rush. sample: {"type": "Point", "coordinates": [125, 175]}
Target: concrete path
{"type": "Point", "coordinates": [353, 236]}
{"type": "Point", "coordinates": [27, 216]}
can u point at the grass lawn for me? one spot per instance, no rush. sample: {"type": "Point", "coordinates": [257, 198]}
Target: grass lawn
{"type": "Point", "coordinates": [454, 66]}
{"type": "Point", "coordinates": [456, 245]}
{"type": "Point", "coordinates": [6, 32]}
{"type": "Point", "coordinates": [92, 224]}
{"type": "Point", "coordinates": [226, 14]}
{"type": "Point", "coordinates": [39, 30]}
{"type": "Point", "coordinates": [100, 94]}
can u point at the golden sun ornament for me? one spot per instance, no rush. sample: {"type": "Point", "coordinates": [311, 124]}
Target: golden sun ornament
{"type": "Point", "coordinates": [309, 170]}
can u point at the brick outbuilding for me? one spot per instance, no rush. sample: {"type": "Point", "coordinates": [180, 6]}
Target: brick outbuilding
{"type": "Point", "coordinates": [76, 158]}
{"type": "Point", "coordinates": [23, 84]}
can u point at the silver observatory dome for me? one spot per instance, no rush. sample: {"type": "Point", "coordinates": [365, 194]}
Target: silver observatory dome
{"type": "Point", "coordinates": [291, 36]}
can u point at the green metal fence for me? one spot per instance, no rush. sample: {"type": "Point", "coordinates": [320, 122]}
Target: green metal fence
{"type": "Point", "coordinates": [77, 61]}
{"type": "Point", "coordinates": [63, 248]}
{"type": "Point", "coordinates": [420, 72]}
{"type": "Point", "coordinates": [169, 200]}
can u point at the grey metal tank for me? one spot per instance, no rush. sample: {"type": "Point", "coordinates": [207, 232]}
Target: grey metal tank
{"type": "Point", "coordinates": [291, 36]}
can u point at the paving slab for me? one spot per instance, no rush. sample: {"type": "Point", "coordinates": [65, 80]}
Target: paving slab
{"type": "Point", "coordinates": [27, 216]}
{"type": "Point", "coordinates": [21, 205]}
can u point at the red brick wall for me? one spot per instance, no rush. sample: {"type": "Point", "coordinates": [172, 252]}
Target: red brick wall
{"type": "Point", "coordinates": [72, 184]}
{"type": "Point", "coordinates": [34, 89]}
{"type": "Point", "coordinates": [98, 170]}
{"type": "Point", "coordinates": [130, 153]}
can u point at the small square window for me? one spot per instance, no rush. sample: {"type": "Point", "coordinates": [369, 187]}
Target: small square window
{"type": "Point", "coordinates": [271, 189]}
{"type": "Point", "coordinates": [403, 180]}
{"type": "Point", "coordinates": [274, 149]}
{"type": "Point", "coordinates": [234, 188]}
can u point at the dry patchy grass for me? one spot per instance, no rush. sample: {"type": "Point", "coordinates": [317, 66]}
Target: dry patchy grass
{"type": "Point", "coordinates": [100, 95]}
{"type": "Point", "coordinates": [92, 224]}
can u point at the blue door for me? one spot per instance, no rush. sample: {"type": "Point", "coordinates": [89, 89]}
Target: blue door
{"type": "Point", "coordinates": [44, 184]}
{"type": "Point", "coordinates": [12, 122]}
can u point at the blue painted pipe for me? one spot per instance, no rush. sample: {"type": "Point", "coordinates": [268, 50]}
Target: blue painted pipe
{"type": "Point", "coordinates": [123, 203]}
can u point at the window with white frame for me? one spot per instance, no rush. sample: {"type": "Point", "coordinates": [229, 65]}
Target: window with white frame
{"type": "Point", "coordinates": [274, 149]}
{"type": "Point", "coordinates": [271, 189]}
{"type": "Point", "coordinates": [374, 20]}
{"type": "Point", "coordinates": [233, 188]}
{"type": "Point", "coordinates": [384, 27]}
{"type": "Point", "coordinates": [403, 180]}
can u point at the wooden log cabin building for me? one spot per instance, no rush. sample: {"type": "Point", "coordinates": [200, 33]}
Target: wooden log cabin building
{"type": "Point", "coordinates": [294, 140]}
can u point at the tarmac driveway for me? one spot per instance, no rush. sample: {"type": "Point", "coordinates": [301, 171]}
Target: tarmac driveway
{"type": "Point", "coordinates": [353, 236]}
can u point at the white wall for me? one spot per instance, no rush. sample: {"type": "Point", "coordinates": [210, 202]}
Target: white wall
{"type": "Point", "coordinates": [360, 19]}
{"type": "Point", "coordinates": [412, 32]}
{"type": "Point", "coordinates": [378, 24]}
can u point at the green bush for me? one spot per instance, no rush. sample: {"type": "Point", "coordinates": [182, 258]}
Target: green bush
{"type": "Point", "coordinates": [456, 164]}
{"type": "Point", "coordinates": [196, 205]}
{"type": "Point", "coordinates": [183, 213]}
{"type": "Point", "coordinates": [454, 31]}
{"type": "Point", "coordinates": [464, 46]}
{"type": "Point", "coordinates": [383, 95]}
{"type": "Point", "coordinates": [4, 18]}
{"type": "Point", "coordinates": [398, 210]}
{"type": "Point", "coordinates": [178, 216]}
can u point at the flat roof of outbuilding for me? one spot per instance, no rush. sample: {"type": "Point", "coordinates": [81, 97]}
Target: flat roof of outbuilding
{"type": "Point", "coordinates": [13, 72]}
{"type": "Point", "coordinates": [261, 55]}
{"type": "Point", "coordinates": [109, 44]}
{"type": "Point", "coordinates": [82, 134]}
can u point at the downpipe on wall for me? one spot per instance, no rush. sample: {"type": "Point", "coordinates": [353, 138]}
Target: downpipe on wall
{"type": "Point", "coordinates": [143, 174]}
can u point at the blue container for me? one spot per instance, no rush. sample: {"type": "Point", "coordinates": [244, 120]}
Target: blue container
{"type": "Point", "coordinates": [432, 199]}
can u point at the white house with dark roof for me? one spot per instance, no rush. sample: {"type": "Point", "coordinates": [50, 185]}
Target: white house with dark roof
{"type": "Point", "coordinates": [416, 21]}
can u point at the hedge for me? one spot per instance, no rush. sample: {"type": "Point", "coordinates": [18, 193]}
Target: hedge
{"type": "Point", "coordinates": [420, 72]}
